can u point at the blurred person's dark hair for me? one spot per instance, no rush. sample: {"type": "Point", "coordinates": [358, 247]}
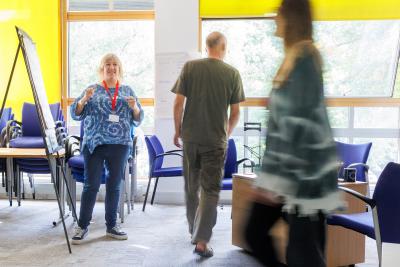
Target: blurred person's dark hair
{"type": "Point", "coordinates": [298, 21]}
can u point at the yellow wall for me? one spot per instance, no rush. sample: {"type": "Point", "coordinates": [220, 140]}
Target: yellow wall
{"type": "Point", "coordinates": [41, 20]}
{"type": "Point", "coordinates": [323, 9]}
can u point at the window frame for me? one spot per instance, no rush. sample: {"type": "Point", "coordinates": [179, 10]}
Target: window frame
{"type": "Point", "coordinates": [344, 101]}
{"type": "Point", "coordinates": [349, 102]}
{"type": "Point", "coordinates": [69, 16]}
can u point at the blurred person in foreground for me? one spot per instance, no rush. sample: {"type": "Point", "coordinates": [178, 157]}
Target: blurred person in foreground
{"type": "Point", "coordinates": [209, 86]}
{"type": "Point", "coordinates": [298, 177]}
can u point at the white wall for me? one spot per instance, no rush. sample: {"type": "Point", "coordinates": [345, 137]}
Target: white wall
{"type": "Point", "coordinates": [176, 30]}
{"type": "Point", "coordinates": [390, 255]}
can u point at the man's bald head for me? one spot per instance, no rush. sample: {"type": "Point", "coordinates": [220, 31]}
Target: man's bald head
{"type": "Point", "coordinates": [216, 45]}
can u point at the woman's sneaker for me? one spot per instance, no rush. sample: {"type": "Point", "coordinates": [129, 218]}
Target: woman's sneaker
{"type": "Point", "coordinates": [117, 233]}
{"type": "Point", "coordinates": [79, 235]}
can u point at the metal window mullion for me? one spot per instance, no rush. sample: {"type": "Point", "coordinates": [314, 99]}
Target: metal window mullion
{"type": "Point", "coordinates": [351, 124]}
{"type": "Point", "coordinates": [397, 66]}
{"type": "Point", "coordinates": [245, 137]}
{"type": "Point", "coordinates": [366, 133]}
{"type": "Point", "coordinates": [398, 135]}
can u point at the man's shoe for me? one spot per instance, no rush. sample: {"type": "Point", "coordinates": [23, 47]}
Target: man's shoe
{"type": "Point", "coordinates": [79, 235]}
{"type": "Point", "coordinates": [207, 252]}
{"type": "Point", "coordinates": [117, 233]}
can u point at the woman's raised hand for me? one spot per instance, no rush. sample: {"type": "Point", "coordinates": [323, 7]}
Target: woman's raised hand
{"type": "Point", "coordinates": [89, 93]}
{"type": "Point", "coordinates": [131, 102]}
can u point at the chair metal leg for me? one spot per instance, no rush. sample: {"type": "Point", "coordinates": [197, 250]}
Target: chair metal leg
{"type": "Point", "coordinates": [154, 191]}
{"type": "Point", "coordinates": [147, 192]}
{"type": "Point", "coordinates": [377, 234]}
{"type": "Point", "coordinates": [133, 189]}
{"type": "Point", "coordinates": [10, 177]}
{"type": "Point", "coordinates": [72, 183]}
{"type": "Point", "coordinates": [18, 191]}
{"type": "Point", "coordinates": [23, 184]}
{"type": "Point", "coordinates": [30, 180]}
{"type": "Point", "coordinates": [122, 202]}
{"type": "Point", "coordinates": [74, 196]}
{"type": "Point", "coordinates": [68, 185]}
{"type": "Point", "coordinates": [32, 184]}
{"type": "Point", "coordinates": [6, 184]}
{"type": "Point", "coordinates": [127, 188]}
{"type": "Point", "coordinates": [33, 187]}
{"type": "Point", "coordinates": [15, 182]}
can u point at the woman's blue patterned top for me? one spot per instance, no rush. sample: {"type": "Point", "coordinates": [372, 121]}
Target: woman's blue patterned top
{"type": "Point", "coordinates": [95, 116]}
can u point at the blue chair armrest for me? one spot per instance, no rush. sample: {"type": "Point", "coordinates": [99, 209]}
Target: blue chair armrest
{"type": "Point", "coordinates": [13, 132]}
{"type": "Point", "coordinates": [77, 138]}
{"type": "Point", "coordinates": [240, 161]}
{"type": "Point", "coordinates": [72, 146]}
{"type": "Point", "coordinates": [11, 128]}
{"type": "Point", "coordinates": [163, 155]}
{"type": "Point", "coordinates": [59, 124]}
{"type": "Point", "coordinates": [13, 123]}
{"type": "Point", "coordinates": [167, 154]}
{"type": "Point", "coordinates": [366, 167]}
{"type": "Point", "coordinates": [172, 151]}
{"type": "Point", "coordinates": [361, 197]}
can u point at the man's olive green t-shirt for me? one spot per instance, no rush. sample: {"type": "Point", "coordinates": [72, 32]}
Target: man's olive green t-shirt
{"type": "Point", "coordinates": [210, 86]}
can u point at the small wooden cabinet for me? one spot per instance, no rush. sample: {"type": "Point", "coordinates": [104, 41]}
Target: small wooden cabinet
{"type": "Point", "coordinates": [344, 247]}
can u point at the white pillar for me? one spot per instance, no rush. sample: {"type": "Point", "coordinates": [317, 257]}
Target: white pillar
{"type": "Point", "coordinates": [176, 31]}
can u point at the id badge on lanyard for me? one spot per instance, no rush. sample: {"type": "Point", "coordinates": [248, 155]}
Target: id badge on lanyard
{"type": "Point", "coordinates": [112, 117]}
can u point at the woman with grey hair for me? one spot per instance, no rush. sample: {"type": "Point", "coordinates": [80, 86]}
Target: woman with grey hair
{"type": "Point", "coordinates": [109, 111]}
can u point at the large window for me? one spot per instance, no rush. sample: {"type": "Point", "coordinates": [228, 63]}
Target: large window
{"type": "Point", "coordinates": [125, 28]}
{"type": "Point", "coordinates": [396, 92]}
{"type": "Point", "coordinates": [105, 5]}
{"type": "Point", "coordinates": [132, 41]}
{"type": "Point", "coordinates": [252, 49]}
{"type": "Point", "coordinates": [360, 57]}
{"type": "Point", "coordinates": [360, 61]}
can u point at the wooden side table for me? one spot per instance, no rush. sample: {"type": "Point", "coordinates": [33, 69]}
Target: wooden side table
{"type": "Point", "coordinates": [344, 247]}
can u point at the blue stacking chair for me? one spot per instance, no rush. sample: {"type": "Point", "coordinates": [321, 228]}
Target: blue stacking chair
{"type": "Point", "coordinates": [5, 118]}
{"type": "Point", "coordinates": [31, 137]}
{"type": "Point", "coordinates": [156, 157]}
{"type": "Point", "coordinates": [76, 169]}
{"type": "Point", "coordinates": [75, 163]}
{"type": "Point", "coordinates": [354, 156]}
{"type": "Point", "coordinates": [382, 223]}
{"type": "Point", "coordinates": [232, 165]}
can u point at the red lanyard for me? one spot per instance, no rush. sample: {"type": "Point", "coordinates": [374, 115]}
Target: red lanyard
{"type": "Point", "coordinates": [113, 99]}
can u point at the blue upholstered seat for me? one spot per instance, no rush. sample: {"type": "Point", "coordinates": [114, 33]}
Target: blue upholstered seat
{"type": "Point", "coordinates": [31, 137]}
{"type": "Point", "coordinates": [231, 165]}
{"type": "Point", "coordinates": [156, 157]}
{"type": "Point", "coordinates": [27, 142]}
{"type": "Point", "coordinates": [354, 154]}
{"type": "Point", "coordinates": [361, 221]}
{"type": "Point", "coordinates": [385, 204]}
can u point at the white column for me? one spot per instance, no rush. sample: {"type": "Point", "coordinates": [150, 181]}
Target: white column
{"type": "Point", "coordinates": [176, 31]}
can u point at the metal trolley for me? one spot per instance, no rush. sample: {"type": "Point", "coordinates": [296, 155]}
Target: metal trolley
{"type": "Point", "coordinates": [253, 152]}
